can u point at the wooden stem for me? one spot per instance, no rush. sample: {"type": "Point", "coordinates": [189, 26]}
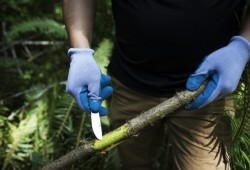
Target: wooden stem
{"type": "Point", "coordinates": [131, 128]}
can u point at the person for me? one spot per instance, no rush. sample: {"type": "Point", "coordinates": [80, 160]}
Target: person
{"type": "Point", "coordinates": [160, 47]}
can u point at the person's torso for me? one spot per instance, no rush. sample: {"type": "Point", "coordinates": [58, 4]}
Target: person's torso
{"type": "Point", "coordinates": [160, 42]}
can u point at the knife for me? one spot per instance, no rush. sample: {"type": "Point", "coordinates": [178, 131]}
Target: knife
{"type": "Point", "coordinates": [96, 125]}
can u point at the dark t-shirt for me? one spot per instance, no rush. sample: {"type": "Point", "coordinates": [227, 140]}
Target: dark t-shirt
{"type": "Point", "coordinates": [159, 43]}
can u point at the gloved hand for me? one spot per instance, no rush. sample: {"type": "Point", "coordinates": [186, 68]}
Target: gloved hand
{"type": "Point", "coordinates": [86, 83]}
{"type": "Point", "coordinates": [95, 105]}
{"type": "Point", "coordinates": [223, 68]}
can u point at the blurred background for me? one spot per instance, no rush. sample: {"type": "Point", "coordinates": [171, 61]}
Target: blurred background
{"type": "Point", "coordinates": [39, 121]}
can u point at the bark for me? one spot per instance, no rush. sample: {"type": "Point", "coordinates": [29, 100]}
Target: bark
{"type": "Point", "coordinates": [129, 129]}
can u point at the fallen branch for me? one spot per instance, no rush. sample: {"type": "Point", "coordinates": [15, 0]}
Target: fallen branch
{"type": "Point", "coordinates": [131, 128]}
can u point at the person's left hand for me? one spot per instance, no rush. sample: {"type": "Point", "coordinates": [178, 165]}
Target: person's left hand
{"type": "Point", "coordinates": [223, 69]}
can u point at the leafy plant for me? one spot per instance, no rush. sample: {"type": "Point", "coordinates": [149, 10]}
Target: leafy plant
{"type": "Point", "coordinates": [241, 124]}
{"type": "Point", "coordinates": [46, 26]}
{"type": "Point", "coordinates": [40, 122]}
{"type": "Point", "coordinates": [45, 122]}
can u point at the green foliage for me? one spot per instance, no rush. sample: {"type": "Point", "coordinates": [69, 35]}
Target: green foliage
{"type": "Point", "coordinates": [40, 122]}
{"type": "Point", "coordinates": [102, 54]}
{"type": "Point", "coordinates": [20, 140]}
{"type": "Point", "coordinates": [241, 124]}
{"type": "Point", "coordinates": [10, 62]}
{"type": "Point", "coordinates": [104, 24]}
{"type": "Point", "coordinates": [46, 26]}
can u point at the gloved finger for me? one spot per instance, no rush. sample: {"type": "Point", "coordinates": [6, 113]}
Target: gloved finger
{"type": "Point", "coordinates": [196, 80]}
{"type": "Point", "coordinates": [94, 105]}
{"type": "Point", "coordinates": [205, 97]}
{"type": "Point", "coordinates": [103, 111]}
{"type": "Point", "coordinates": [106, 92]}
{"type": "Point", "coordinates": [83, 100]}
{"type": "Point", "coordinates": [105, 80]}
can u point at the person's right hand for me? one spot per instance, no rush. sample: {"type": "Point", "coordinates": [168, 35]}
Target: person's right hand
{"type": "Point", "coordinates": [86, 83]}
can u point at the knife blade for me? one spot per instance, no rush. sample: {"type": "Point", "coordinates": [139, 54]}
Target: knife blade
{"type": "Point", "coordinates": [96, 125]}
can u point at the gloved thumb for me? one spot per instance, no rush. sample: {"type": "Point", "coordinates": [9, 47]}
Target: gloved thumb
{"type": "Point", "coordinates": [93, 96]}
{"type": "Point", "coordinates": [196, 80]}
{"type": "Point", "coordinates": [82, 100]}
{"type": "Point", "coordinates": [95, 105]}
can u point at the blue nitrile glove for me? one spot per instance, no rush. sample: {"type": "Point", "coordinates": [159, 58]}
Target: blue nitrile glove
{"type": "Point", "coordinates": [92, 105]}
{"type": "Point", "coordinates": [85, 78]}
{"type": "Point", "coordinates": [223, 68]}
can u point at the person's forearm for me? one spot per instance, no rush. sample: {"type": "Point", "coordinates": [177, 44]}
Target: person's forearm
{"type": "Point", "coordinates": [78, 17]}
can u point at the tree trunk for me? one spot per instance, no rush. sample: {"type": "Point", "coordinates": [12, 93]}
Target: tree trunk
{"type": "Point", "coordinates": [129, 129]}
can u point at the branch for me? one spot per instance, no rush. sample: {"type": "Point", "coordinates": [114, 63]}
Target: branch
{"type": "Point", "coordinates": [129, 129]}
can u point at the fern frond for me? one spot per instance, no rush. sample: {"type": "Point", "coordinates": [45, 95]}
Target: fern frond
{"type": "Point", "coordinates": [103, 53]}
{"type": "Point", "coordinates": [44, 26]}
{"type": "Point", "coordinates": [62, 117]}
{"type": "Point", "coordinates": [20, 140]}
{"type": "Point", "coordinates": [241, 124]}
{"type": "Point", "coordinates": [7, 63]}
{"type": "Point", "coordinates": [65, 119]}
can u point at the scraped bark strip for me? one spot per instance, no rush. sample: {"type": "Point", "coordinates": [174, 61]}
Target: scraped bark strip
{"type": "Point", "coordinates": [131, 128]}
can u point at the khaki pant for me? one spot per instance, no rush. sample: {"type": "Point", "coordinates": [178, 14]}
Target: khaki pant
{"type": "Point", "coordinates": [200, 138]}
